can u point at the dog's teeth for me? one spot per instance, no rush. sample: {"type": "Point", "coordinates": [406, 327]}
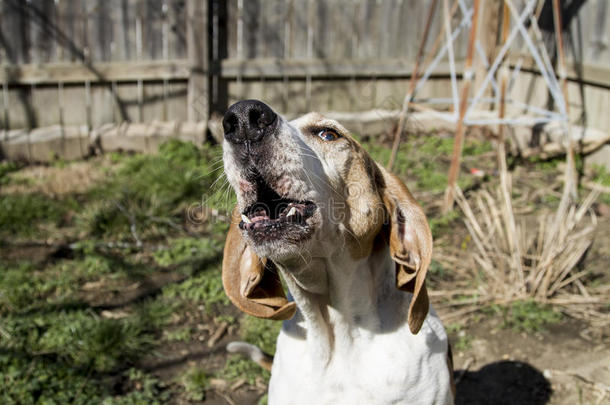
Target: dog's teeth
{"type": "Point", "coordinates": [245, 219]}
{"type": "Point", "coordinates": [292, 211]}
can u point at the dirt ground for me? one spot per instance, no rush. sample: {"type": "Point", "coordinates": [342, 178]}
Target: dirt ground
{"type": "Point", "coordinates": [565, 363]}
{"type": "Point", "coordinates": [560, 366]}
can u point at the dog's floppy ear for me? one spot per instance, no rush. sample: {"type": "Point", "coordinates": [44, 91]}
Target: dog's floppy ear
{"type": "Point", "coordinates": [410, 243]}
{"type": "Point", "coordinates": [253, 284]}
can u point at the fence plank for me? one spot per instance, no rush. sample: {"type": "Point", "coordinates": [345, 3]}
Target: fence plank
{"type": "Point", "coordinates": [251, 41]}
{"type": "Point", "coordinates": [3, 57]}
{"type": "Point", "coordinates": [104, 72]}
{"type": "Point", "coordinates": [16, 31]}
{"type": "Point", "coordinates": [198, 98]}
{"type": "Point", "coordinates": [73, 31]}
{"type": "Point", "coordinates": [43, 15]}
{"type": "Point", "coordinates": [46, 106]}
{"type": "Point", "coordinates": [177, 29]}
{"type": "Point", "coordinates": [299, 30]}
{"type": "Point", "coordinates": [340, 69]}
{"type": "Point", "coordinates": [232, 19]}
{"type": "Point", "coordinates": [152, 29]}
{"type": "Point", "coordinates": [99, 31]}
{"type": "Point", "coordinates": [273, 12]}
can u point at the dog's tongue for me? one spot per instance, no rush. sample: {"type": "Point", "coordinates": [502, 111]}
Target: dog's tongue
{"type": "Point", "coordinates": [259, 218]}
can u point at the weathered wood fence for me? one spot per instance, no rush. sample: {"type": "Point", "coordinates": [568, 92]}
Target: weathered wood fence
{"type": "Point", "coordinates": [88, 62]}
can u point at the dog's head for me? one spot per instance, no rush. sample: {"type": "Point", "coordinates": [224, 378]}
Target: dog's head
{"type": "Point", "coordinates": [307, 189]}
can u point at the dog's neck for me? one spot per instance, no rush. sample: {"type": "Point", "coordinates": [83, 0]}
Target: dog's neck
{"type": "Point", "coordinates": [355, 300]}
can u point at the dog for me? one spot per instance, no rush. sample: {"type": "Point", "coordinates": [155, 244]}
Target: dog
{"type": "Point", "coordinates": [353, 248]}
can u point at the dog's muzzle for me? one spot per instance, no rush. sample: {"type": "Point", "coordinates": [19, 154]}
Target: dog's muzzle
{"type": "Point", "coordinates": [270, 210]}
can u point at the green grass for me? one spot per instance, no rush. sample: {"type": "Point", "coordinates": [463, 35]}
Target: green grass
{"type": "Point", "coordinates": [601, 175]}
{"type": "Point", "coordinates": [7, 168]}
{"type": "Point", "coordinates": [154, 192]}
{"type": "Point", "coordinates": [238, 367]}
{"type": "Point", "coordinates": [188, 251]}
{"type": "Point", "coordinates": [463, 341]}
{"type": "Point", "coordinates": [57, 344]}
{"type": "Point", "coordinates": [195, 382]}
{"type": "Point", "coordinates": [425, 160]}
{"type": "Point", "coordinates": [441, 224]}
{"type": "Point", "coordinates": [205, 288]}
{"type": "Point", "coordinates": [26, 215]}
{"type": "Point", "coordinates": [260, 332]}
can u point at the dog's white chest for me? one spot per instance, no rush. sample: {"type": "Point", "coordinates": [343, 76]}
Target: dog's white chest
{"type": "Point", "coordinates": [390, 368]}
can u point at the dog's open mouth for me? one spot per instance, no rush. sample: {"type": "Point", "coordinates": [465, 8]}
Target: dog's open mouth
{"type": "Point", "coordinates": [274, 217]}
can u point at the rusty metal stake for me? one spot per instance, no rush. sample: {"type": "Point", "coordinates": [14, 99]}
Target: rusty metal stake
{"type": "Point", "coordinates": [460, 127]}
{"type": "Point", "coordinates": [569, 189]}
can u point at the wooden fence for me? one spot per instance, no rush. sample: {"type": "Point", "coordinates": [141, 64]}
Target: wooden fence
{"type": "Point", "coordinates": [88, 62]}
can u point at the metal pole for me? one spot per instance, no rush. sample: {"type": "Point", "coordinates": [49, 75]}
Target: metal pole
{"type": "Point", "coordinates": [569, 189]}
{"type": "Point", "coordinates": [412, 82]}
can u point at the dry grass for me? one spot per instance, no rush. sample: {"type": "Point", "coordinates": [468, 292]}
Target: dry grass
{"type": "Point", "coordinates": [74, 177]}
{"type": "Point", "coordinates": [533, 257]}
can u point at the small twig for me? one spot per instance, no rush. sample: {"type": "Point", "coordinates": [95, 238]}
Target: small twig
{"type": "Point", "coordinates": [5, 333]}
{"type": "Point", "coordinates": [598, 385]}
{"type": "Point", "coordinates": [237, 384]}
{"type": "Point", "coordinates": [172, 224]}
{"type": "Point", "coordinates": [225, 396]}
{"type": "Point", "coordinates": [132, 221]}
{"type": "Point", "coordinates": [463, 371]}
{"type": "Point", "coordinates": [218, 334]}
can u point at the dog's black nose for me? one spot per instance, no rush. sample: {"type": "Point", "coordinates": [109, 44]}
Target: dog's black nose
{"type": "Point", "coordinates": [248, 120]}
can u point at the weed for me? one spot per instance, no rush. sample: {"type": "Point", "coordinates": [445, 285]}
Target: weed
{"type": "Point", "coordinates": [228, 319]}
{"type": "Point", "coordinates": [526, 316]}
{"type": "Point", "coordinates": [19, 288]}
{"type": "Point", "coordinates": [143, 389]}
{"type": "Point", "coordinates": [239, 367]}
{"type": "Point", "coordinates": [475, 147]}
{"type": "Point", "coordinates": [195, 382]}
{"type": "Point", "coordinates": [439, 225]}
{"type": "Point", "coordinates": [40, 380]}
{"type": "Point", "coordinates": [188, 250]}
{"type": "Point", "coordinates": [464, 342]}
{"type": "Point", "coordinates": [92, 343]}
{"type": "Point", "coordinates": [156, 313]}
{"type": "Point", "coordinates": [26, 214]}
{"type": "Point", "coordinates": [5, 169]}
{"type": "Point", "coordinates": [260, 332]}
{"type": "Point", "coordinates": [453, 327]}
{"type": "Point", "coordinates": [602, 176]}
{"type": "Point", "coordinates": [178, 335]}
{"type": "Point", "coordinates": [545, 165]}
{"type": "Point", "coordinates": [152, 192]}
{"type": "Point", "coordinates": [205, 288]}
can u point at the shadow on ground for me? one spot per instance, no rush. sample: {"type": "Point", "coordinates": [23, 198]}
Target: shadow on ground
{"type": "Point", "coordinates": [503, 382]}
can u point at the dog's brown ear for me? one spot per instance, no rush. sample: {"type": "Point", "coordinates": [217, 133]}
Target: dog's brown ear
{"type": "Point", "coordinates": [253, 284]}
{"type": "Point", "coordinates": [410, 242]}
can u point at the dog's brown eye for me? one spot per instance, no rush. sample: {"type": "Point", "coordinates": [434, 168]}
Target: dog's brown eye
{"type": "Point", "coordinates": [328, 134]}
